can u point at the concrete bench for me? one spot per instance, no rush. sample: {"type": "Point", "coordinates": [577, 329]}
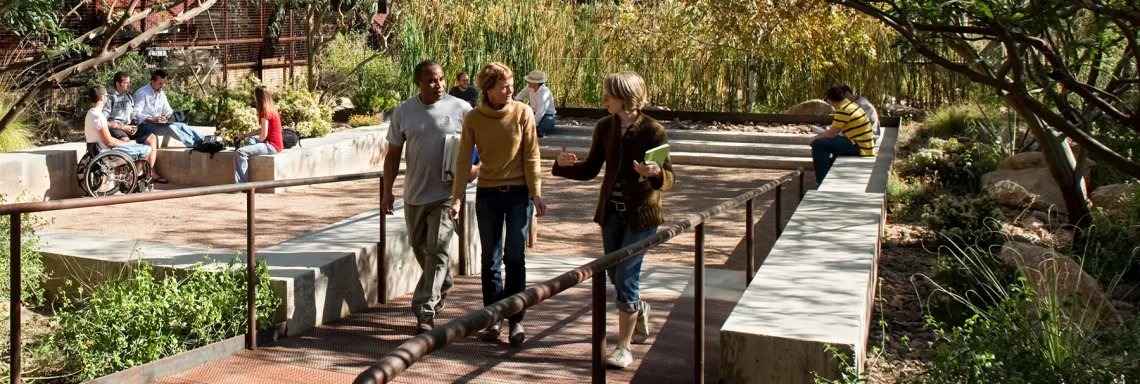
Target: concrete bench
{"type": "Point", "coordinates": [321, 275]}
{"type": "Point", "coordinates": [863, 174]}
{"type": "Point", "coordinates": [815, 288]}
{"type": "Point", "coordinates": [41, 173]}
{"type": "Point", "coordinates": [350, 151]}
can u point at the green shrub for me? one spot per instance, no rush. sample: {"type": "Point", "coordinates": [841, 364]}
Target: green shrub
{"type": "Point", "coordinates": [1016, 342]}
{"type": "Point", "coordinates": [363, 120]}
{"type": "Point", "coordinates": [133, 63]}
{"type": "Point", "coordinates": [955, 165]}
{"type": "Point", "coordinates": [968, 220]}
{"type": "Point", "coordinates": [32, 274]}
{"type": "Point", "coordinates": [303, 111]}
{"type": "Point", "coordinates": [372, 101]}
{"type": "Point", "coordinates": [377, 77]}
{"type": "Point", "coordinates": [180, 100]}
{"type": "Point", "coordinates": [1111, 244]}
{"type": "Point", "coordinates": [235, 117]}
{"type": "Point", "coordinates": [16, 137]}
{"type": "Point", "coordinates": [146, 317]}
{"type": "Point", "coordinates": [908, 199]}
{"type": "Point", "coordinates": [950, 121]}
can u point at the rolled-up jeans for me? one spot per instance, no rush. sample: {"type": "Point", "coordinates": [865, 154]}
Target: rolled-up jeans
{"type": "Point", "coordinates": [626, 276]}
{"type": "Point", "coordinates": [495, 206]}
{"type": "Point", "coordinates": [188, 137]}
{"type": "Point", "coordinates": [546, 124]}
{"type": "Point", "coordinates": [242, 155]}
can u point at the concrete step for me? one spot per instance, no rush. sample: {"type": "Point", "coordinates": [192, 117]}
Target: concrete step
{"type": "Point", "coordinates": [683, 134]}
{"type": "Point", "coordinates": [698, 146]}
{"type": "Point", "coordinates": [707, 159]}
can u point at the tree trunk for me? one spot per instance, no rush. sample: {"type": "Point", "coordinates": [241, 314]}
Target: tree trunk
{"type": "Point", "coordinates": [1062, 164]}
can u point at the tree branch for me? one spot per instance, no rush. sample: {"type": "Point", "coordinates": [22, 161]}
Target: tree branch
{"type": "Point", "coordinates": [110, 33]}
{"type": "Point", "coordinates": [86, 65]}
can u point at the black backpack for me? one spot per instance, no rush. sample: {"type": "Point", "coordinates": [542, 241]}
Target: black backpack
{"type": "Point", "coordinates": [290, 138]}
{"type": "Point", "coordinates": [210, 144]}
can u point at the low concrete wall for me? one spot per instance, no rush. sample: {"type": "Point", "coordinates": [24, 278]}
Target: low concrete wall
{"type": "Point", "coordinates": [322, 275]}
{"type": "Point", "coordinates": [48, 172]}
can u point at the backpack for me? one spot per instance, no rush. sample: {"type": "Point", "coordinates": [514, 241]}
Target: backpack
{"type": "Point", "coordinates": [210, 144]}
{"type": "Point", "coordinates": [290, 138]}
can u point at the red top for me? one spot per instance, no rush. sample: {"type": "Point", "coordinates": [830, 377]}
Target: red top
{"type": "Point", "coordinates": [274, 135]}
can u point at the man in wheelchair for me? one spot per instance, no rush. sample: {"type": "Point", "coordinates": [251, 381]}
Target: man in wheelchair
{"type": "Point", "coordinates": [112, 165]}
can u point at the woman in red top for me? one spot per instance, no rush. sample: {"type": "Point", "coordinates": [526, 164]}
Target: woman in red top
{"type": "Point", "coordinates": [268, 138]}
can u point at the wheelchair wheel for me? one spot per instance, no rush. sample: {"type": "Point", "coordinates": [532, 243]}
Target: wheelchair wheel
{"type": "Point", "coordinates": [109, 173]}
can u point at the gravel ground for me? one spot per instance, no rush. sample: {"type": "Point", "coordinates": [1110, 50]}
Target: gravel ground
{"type": "Point", "coordinates": [568, 229]}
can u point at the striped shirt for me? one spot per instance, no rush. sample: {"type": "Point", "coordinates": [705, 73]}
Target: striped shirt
{"type": "Point", "coordinates": [854, 124]}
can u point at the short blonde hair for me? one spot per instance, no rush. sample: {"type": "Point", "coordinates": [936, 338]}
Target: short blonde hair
{"type": "Point", "coordinates": [492, 74]}
{"type": "Point", "coordinates": [628, 87]}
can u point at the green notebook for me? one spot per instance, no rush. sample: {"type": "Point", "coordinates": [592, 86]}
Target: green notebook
{"type": "Point", "coordinates": [657, 155]}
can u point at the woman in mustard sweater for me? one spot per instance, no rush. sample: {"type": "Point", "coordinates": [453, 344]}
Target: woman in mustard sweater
{"type": "Point", "coordinates": [510, 187]}
{"type": "Point", "coordinates": [629, 206]}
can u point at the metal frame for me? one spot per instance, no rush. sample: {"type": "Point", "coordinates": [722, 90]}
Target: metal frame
{"type": "Point", "coordinates": [411, 351]}
{"type": "Point", "coordinates": [17, 210]}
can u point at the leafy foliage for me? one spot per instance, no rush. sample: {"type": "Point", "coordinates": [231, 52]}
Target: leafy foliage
{"type": "Point", "coordinates": [1111, 243]}
{"type": "Point", "coordinates": [356, 121]}
{"type": "Point", "coordinates": [32, 273]}
{"type": "Point", "coordinates": [372, 101]}
{"type": "Point", "coordinates": [303, 111]}
{"type": "Point", "coordinates": [151, 315]}
{"type": "Point", "coordinates": [956, 219]}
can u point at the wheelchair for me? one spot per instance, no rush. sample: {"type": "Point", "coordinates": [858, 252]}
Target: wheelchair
{"type": "Point", "coordinates": [110, 172]}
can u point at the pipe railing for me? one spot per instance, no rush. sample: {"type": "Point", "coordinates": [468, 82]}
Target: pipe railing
{"type": "Point", "coordinates": [411, 351]}
{"type": "Point", "coordinates": [16, 210]}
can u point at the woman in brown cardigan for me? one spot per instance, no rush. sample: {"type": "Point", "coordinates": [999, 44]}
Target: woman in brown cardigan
{"type": "Point", "coordinates": [629, 207]}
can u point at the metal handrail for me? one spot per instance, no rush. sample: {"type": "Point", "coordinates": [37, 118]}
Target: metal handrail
{"type": "Point", "coordinates": [16, 210]}
{"type": "Point", "coordinates": [411, 351]}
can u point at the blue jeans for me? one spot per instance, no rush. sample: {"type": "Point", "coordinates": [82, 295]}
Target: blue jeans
{"type": "Point", "coordinates": [188, 137]}
{"type": "Point", "coordinates": [135, 151]}
{"type": "Point", "coordinates": [241, 159]}
{"type": "Point", "coordinates": [546, 124]}
{"type": "Point", "coordinates": [493, 207]}
{"type": "Point", "coordinates": [824, 151]}
{"type": "Point", "coordinates": [626, 276]}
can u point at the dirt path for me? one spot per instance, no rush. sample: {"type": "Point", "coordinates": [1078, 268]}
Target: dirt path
{"type": "Point", "coordinates": [219, 220]}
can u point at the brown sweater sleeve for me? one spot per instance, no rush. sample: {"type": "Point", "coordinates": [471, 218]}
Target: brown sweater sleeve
{"type": "Point", "coordinates": [532, 161]}
{"type": "Point", "coordinates": [665, 182]}
{"type": "Point", "coordinates": [463, 168]}
{"type": "Point", "coordinates": [589, 168]}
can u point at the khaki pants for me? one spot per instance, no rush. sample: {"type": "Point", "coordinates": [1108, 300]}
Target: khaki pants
{"type": "Point", "coordinates": [429, 233]}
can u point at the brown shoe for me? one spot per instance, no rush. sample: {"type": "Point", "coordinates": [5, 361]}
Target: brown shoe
{"type": "Point", "coordinates": [492, 333]}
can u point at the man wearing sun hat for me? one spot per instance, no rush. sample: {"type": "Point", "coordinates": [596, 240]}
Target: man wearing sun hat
{"type": "Point", "coordinates": [541, 101]}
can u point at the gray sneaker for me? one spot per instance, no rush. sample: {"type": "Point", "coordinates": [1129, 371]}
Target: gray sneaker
{"type": "Point", "coordinates": [641, 328]}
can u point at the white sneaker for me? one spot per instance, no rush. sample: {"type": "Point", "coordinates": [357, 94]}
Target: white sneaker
{"type": "Point", "coordinates": [619, 358]}
{"type": "Point", "coordinates": [641, 328]}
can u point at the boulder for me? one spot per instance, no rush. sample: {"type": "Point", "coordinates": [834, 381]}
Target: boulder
{"type": "Point", "coordinates": [1112, 198]}
{"type": "Point", "coordinates": [1025, 187]}
{"type": "Point", "coordinates": [811, 107]}
{"type": "Point", "coordinates": [1054, 275]}
{"type": "Point", "coordinates": [1024, 160]}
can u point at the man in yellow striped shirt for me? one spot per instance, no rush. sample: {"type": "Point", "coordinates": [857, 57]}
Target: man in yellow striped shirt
{"type": "Point", "coordinates": [851, 134]}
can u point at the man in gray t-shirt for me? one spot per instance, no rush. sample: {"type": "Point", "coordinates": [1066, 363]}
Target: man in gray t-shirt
{"type": "Point", "coordinates": [421, 125]}
{"type": "Point", "coordinates": [869, 109]}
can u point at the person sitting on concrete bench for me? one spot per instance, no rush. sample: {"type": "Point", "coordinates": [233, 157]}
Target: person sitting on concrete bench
{"type": "Point", "coordinates": [872, 114]}
{"type": "Point", "coordinates": [153, 113]}
{"type": "Point", "coordinates": [118, 108]}
{"type": "Point", "coordinates": [96, 131]}
{"type": "Point", "coordinates": [850, 134]}
{"type": "Point", "coordinates": [269, 139]}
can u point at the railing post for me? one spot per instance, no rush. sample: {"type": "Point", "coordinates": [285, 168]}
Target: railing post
{"type": "Point", "coordinates": [699, 306]}
{"type": "Point", "coordinates": [749, 242]}
{"type": "Point", "coordinates": [14, 365]}
{"type": "Point", "coordinates": [251, 270]}
{"type": "Point", "coordinates": [778, 209]}
{"type": "Point", "coordinates": [382, 250]}
{"type": "Point", "coordinates": [802, 191]}
{"type": "Point", "coordinates": [598, 336]}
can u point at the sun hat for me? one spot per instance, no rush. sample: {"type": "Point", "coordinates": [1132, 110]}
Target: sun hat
{"type": "Point", "coordinates": [536, 76]}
